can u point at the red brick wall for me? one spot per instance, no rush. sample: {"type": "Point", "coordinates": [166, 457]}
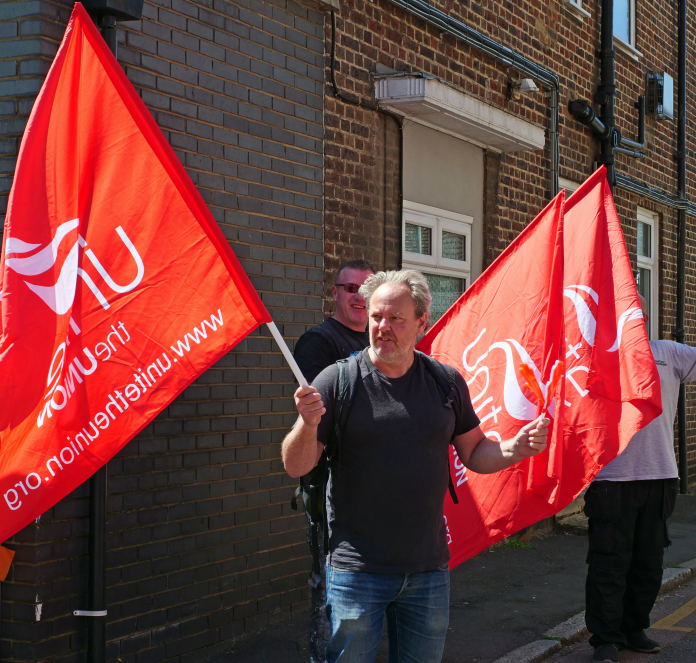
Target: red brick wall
{"type": "Point", "coordinates": [378, 33]}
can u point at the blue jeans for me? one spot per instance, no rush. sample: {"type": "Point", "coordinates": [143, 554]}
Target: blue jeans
{"type": "Point", "coordinates": [416, 606]}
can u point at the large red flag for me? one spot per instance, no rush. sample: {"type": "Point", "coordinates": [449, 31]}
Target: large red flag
{"type": "Point", "coordinates": [512, 314]}
{"type": "Point", "coordinates": [612, 388]}
{"type": "Point", "coordinates": [612, 385]}
{"type": "Point", "coordinates": [118, 288]}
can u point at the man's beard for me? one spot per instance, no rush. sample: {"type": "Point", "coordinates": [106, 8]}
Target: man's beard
{"type": "Point", "coordinates": [396, 356]}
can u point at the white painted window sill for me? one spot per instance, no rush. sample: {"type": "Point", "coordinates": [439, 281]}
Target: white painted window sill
{"type": "Point", "coordinates": [578, 13]}
{"type": "Point", "coordinates": [627, 49]}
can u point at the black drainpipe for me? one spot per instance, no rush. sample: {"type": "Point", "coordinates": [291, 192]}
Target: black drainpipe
{"type": "Point", "coordinates": [604, 128]}
{"type": "Point", "coordinates": [606, 92]}
{"type": "Point", "coordinates": [680, 156]}
{"type": "Point", "coordinates": [105, 14]}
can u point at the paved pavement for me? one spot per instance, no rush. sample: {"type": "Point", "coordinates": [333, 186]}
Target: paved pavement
{"type": "Point", "coordinates": [673, 625]}
{"type": "Point", "coordinates": [500, 600]}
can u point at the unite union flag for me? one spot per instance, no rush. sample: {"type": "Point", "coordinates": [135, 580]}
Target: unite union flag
{"type": "Point", "coordinates": [509, 316]}
{"type": "Point", "coordinates": [117, 286]}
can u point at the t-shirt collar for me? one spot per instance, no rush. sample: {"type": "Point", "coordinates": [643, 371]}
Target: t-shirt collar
{"type": "Point", "coordinates": [368, 367]}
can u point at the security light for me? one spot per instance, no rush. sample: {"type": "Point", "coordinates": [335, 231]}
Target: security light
{"type": "Point", "coordinates": [516, 89]}
{"type": "Point", "coordinates": [528, 85]}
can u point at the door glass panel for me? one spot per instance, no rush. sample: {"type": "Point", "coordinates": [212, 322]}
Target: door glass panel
{"type": "Point", "coordinates": [644, 240]}
{"type": "Point", "coordinates": [453, 246]}
{"type": "Point", "coordinates": [419, 239]}
{"type": "Point", "coordinates": [445, 290]}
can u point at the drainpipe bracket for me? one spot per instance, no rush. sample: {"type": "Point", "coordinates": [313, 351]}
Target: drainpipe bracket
{"type": "Point", "coordinates": [679, 334]}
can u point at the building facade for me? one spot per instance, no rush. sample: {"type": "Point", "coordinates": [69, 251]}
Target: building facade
{"type": "Point", "coordinates": [392, 132]}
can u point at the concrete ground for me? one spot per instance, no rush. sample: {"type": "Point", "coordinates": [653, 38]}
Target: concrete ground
{"type": "Point", "coordinates": [677, 635]}
{"type": "Point", "coordinates": [500, 600]}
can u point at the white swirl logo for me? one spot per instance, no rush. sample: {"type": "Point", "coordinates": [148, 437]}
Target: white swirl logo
{"type": "Point", "coordinates": [60, 296]}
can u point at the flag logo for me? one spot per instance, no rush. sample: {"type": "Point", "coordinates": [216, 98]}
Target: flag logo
{"type": "Point", "coordinates": [102, 324]}
{"type": "Point", "coordinates": [60, 296]}
{"type": "Point", "coordinates": [507, 333]}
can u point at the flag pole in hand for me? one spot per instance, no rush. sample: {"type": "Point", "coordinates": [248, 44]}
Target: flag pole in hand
{"type": "Point", "coordinates": [287, 354]}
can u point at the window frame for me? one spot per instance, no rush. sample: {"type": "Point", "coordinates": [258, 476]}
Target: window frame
{"type": "Point", "coordinates": [569, 186]}
{"type": "Point", "coordinates": [420, 219]}
{"type": "Point", "coordinates": [438, 220]}
{"type": "Point", "coordinates": [631, 43]}
{"type": "Point", "coordinates": [649, 218]}
{"type": "Point", "coordinates": [575, 9]}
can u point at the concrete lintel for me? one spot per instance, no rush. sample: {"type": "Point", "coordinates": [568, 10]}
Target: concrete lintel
{"type": "Point", "coordinates": [431, 102]}
{"type": "Point", "coordinates": [321, 5]}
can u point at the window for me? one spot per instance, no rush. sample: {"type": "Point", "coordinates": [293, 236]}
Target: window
{"type": "Point", "coordinates": [574, 7]}
{"type": "Point", "coordinates": [625, 21]}
{"type": "Point", "coordinates": [647, 273]}
{"type": "Point", "coordinates": [438, 243]}
{"type": "Point", "coordinates": [569, 186]}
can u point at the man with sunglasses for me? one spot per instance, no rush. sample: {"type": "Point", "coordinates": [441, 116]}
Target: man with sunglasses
{"type": "Point", "coordinates": [338, 337]}
{"type": "Point", "coordinates": [343, 333]}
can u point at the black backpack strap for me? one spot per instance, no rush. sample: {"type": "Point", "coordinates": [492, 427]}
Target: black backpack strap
{"type": "Point", "coordinates": [348, 372]}
{"type": "Point", "coordinates": [448, 388]}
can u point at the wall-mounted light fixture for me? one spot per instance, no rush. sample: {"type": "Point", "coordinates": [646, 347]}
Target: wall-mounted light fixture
{"type": "Point", "coordinates": [515, 89]}
{"type": "Point", "coordinates": [660, 95]}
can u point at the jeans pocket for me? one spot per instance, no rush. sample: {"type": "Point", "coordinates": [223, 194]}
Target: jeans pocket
{"type": "Point", "coordinates": [603, 501]}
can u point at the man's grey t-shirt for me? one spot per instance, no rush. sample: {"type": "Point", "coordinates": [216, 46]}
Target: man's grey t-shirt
{"type": "Point", "coordinates": [387, 489]}
{"type": "Point", "coordinates": [650, 453]}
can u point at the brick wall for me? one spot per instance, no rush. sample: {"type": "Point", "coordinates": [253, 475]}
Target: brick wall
{"type": "Point", "coordinates": [362, 189]}
{"type": "Point", "coordinates": [202, 545]}
{"type": "Point", "coordinates": [378, 34]}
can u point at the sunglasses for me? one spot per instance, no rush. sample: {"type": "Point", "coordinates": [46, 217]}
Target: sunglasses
{"type": "Point", "coordinates": [349, 287]}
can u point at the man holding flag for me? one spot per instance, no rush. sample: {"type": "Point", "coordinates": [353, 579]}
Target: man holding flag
{"type": "Point", "coordinates": [388, 551]}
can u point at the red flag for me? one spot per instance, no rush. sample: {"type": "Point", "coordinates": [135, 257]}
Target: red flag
{"type": "Point", "coordinates": [612, 383]}
{"type": "Point", "coordinates": [512, 314]}
{"type": "Point", "coordinates": [611, 388]}
{"type": "Point", "coordinates": [118, 288]}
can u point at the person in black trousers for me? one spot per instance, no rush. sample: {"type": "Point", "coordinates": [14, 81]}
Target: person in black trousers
{"type": "Point", "coordinates": [628, 505]}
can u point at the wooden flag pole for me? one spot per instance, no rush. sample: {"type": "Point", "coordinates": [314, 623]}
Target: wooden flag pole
{"type": "Point", "coordinates": [287, 354]}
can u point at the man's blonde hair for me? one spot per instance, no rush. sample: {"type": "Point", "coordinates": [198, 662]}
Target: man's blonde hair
{"type": "Point", "coordinates": [410, 278]}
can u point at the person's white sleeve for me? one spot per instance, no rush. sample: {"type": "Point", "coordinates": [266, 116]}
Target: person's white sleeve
{"type": "Point", "coordinates": [686, 362]}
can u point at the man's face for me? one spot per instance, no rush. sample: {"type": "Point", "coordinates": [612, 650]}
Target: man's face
{"type": "Point", "coordinates": [350, 307]}
{"type": "Point", "coordinates": [394, 326]}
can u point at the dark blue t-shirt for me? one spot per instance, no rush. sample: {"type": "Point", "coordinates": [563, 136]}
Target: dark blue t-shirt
{"type": "Point", "coordinates": [387, 489]}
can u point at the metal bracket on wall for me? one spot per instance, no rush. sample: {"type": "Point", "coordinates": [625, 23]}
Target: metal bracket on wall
{"type": "Point", "coordinates": [89, 613]}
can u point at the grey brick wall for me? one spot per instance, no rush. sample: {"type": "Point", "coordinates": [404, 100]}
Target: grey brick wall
{"type": "Point", "coordinates": [202, 544]}
{"type": "Point", "coordinates": [29, 34]}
